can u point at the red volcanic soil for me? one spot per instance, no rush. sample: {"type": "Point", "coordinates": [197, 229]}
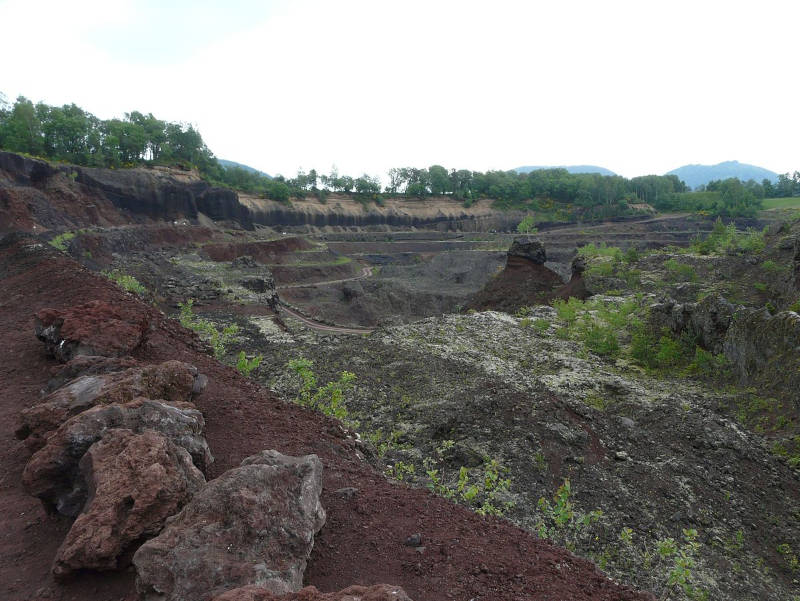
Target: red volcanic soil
{"type": "Point", "coordinates": [465, 556]}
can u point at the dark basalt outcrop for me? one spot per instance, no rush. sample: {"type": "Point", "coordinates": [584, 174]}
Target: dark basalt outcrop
{"type": "Point", "coordinates": [34, 191]}
{"type": "Point", "coordinates": [761, 347]}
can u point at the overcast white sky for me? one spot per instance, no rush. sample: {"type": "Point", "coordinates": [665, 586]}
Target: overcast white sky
{"type": "Point", "coordinates": [635, 86]}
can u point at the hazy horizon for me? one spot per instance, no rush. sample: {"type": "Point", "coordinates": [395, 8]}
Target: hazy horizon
{"type": "Point", "coordinates": [637, 88]}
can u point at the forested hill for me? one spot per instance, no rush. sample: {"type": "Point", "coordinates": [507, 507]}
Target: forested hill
{"type": "Point", "coordinates": [699, 175]}
{"type": "Point", "coordinates": [234, 165]}
{"type": "Point", "coordinates": [569, 169]}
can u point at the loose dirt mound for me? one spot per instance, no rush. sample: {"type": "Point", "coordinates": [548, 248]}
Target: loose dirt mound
{"type": "Point", "coordinates": [465, 556]}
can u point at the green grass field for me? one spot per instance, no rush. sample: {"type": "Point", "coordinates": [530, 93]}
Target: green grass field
{"type": "Point", "coordinates": [782, 203]}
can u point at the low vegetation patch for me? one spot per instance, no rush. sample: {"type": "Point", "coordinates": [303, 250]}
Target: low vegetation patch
{"type": "Point", "coordinates": [219, 339]}
{"type": "Point", "coordinates": [126, 282]}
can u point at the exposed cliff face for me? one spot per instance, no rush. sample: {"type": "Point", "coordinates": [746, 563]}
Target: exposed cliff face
{"type": "Point", "coordinates": [161, 195]}
{"type": "Point", "coordinates": [442, 215]}
{"type": "Point", "coordinates": [35, 194]}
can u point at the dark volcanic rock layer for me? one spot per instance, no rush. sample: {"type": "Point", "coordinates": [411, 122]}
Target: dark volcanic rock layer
{"type": "Point", "coordinates": [38, 194]}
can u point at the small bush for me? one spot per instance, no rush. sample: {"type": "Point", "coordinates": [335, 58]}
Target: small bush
{"type": "Point", "coordinates": [126, 282]}
{"type": "Point", "coordinates": [245, 365]}
{"type": "Point", "coordinates": [61, 241]}
{"type": "Point", "coordinates": [680, 272]}
{"type": "Point", "coordinates": [219, 339]}
{"type": "Point", "coordinates": [600, 339]}
{"type": "Point", "coordinates": [328, 399]}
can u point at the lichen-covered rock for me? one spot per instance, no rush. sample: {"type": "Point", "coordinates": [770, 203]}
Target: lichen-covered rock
{"type": "Point", "coordinates": [172, 381]}
{"type": "Point", "coordinates": [52, 473]}
{"type": "Point", "coordinates": [528, 248]}
{"type": "Point", "coordinates": [136, 481]}
{"type": "Point", "coordinates": [96, 328]}
{"type": "Point", "coordinates": [377, 592]}
{"type": "Point", "coordinates": [253, 525]}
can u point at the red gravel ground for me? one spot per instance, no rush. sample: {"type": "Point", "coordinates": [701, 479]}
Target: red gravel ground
{"type": "Point", "coordinates": [465, 556]}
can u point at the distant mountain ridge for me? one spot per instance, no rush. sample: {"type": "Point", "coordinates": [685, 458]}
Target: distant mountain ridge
{"type": "Point", "coordinates": [229, 164]}
{"type": "Point", "coordinates": [569, 168]}
{"type": "Point", "coordinates": [699, 175]}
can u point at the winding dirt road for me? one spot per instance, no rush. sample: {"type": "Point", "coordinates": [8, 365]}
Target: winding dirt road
{"type": "Point", "coordinates": [365, 273]}
{"type": "Point", "coordinates": [321, 326]}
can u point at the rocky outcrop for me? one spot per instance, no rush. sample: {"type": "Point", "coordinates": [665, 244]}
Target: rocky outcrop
{"type": "Point", "coordinates": [707, 321]}
{"type": "Point", "coordinates": [96, 328]}
{"type": "Point", "coordinates": [762, 348]}
{"type": "Point", "coordinates": [53, 475]}
{"type": "Point", "coordinates": [172, 381]}
{"type": "Point", "coordinates": [136, 481]}
{"type": "Point", "coordinates": [377, 592]}
{"type": "Point", "coordinates": [528, 248]}
{"type": "Point", "coordinates": [87, 365]}
{"type": "Point", "coordinates": [766, 348]}
{"type": "Point", "coordinates": [253, 525]}
{"type": "Point", "coordinates": [524, 281]}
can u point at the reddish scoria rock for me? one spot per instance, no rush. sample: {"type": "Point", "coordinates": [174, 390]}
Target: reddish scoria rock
{"type": "Point", "coordinates": [254, 525]}
{"type": "Point", "coordinates": [96, 328]}
{"type": "Point", "coordinates": [52, 473]}
{"type": "Point", "coordinates": [136, 481]}
{"type": "Point", "coordinates": [173, 381]}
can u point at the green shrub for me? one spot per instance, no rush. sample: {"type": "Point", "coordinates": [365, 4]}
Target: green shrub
{"type": "Point", "coordinates": [600, 339]}
{"type": "Point", "coordinates": [245, 365]}
{"type": "Point", "coordinates": [680, 272]}
{"type": "Point", "coordinates": [567, 310]}
{"type": "Point", "coordinates": [726, 238]}
{"type": "Point", "coordinates": [218, 339]}
{"type": "Point", "coordinates": [328, 399]}
{"type": "Point", "coordinates": [542, 326]}
{"type": "Point", "coordinates": [601, 250]}
{"type": "Point", "coordinates": [560, 520]}
{"type": "Point", "coordinates": [126, 282]}
{"type": "Point", "coordinates": [601, 269]}
{"type": "Point", "coordinates": [61, 241]}
{"type": "Point", "coordinates": [527, 225]}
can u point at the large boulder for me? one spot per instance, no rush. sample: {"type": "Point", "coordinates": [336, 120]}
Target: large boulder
{"type": "Point", "coordinates": [254, 525]}
{"type": "Point", "coordinates": [528, 248]}
{"type": "Point", "coordinates": [96, 328]}
{"type": "Point", "coordinates": [136, 481]}
{"type": "Point", "coordinates": [52, 473]}
{"type": "Point", "coordinates": [377, 592]}
{"type": "Point", "coordinates": [172, 381]}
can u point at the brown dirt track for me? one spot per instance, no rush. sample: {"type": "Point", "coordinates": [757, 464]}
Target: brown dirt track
{"type": "Point", "coordinates": [465, 556]}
